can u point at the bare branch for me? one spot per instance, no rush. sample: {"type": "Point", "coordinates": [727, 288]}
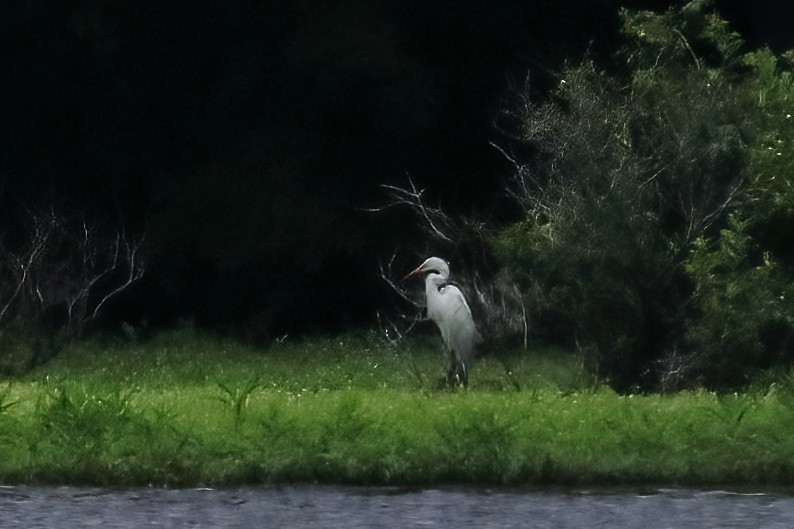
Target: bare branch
{"type": "Point", "coordinates": [688, 48]}
{"type": "Point", "coordinates": [437, 222]}
{"type": "Point", "coordinates": [65, 269]}
{"type": "Point", "coordinates": [135, 271]}
{"type": "Point", "coordinates": [499, 307]}
{"type": "Point", "coordinates": [510, 158]}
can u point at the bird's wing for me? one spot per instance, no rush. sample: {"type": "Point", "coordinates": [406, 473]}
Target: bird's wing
{"type": "Point", "coordinates": [454, 299]}
{"type": "Point", "coordinates": [461, 332]}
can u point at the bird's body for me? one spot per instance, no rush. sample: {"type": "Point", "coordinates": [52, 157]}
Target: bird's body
{"type": "Point", "coordinates": [447, 307]}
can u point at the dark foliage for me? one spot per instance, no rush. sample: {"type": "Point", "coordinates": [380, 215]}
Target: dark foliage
{"type": "Point", "coordinates": [242, 136]}
{"type": "Point", "coordinates": [639, 190]}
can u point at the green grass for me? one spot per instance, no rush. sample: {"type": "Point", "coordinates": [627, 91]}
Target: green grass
{"type": "Point", "coordinates": [185, 409]}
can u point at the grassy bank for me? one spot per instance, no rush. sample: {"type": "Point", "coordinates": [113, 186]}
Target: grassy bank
{"type": "Point", "coordinates": [188, 410]}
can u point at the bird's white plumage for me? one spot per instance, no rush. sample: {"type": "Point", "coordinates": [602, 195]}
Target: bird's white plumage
{"type": "Point", "coordinates": [447, 307]}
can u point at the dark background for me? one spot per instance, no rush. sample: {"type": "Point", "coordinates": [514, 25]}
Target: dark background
{"type": "Point", "coordinates": [247, 138]}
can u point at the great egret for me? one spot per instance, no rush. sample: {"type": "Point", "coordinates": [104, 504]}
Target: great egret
{"type": "Point", "coordinates": [447, 307]}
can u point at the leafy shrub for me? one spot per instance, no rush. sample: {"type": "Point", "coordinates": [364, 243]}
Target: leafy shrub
{"type": "Point", "coordinates": [770, 201]}
{"type": "Point", "coordinates": [623, 175]}
{"type": "Point", "coordinates": [745, 308]}
{"type": "Point", "coordinates": [743, 276]}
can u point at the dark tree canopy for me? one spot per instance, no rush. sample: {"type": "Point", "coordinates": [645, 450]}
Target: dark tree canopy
{"type": "Point", "coordinates": [246, 137]}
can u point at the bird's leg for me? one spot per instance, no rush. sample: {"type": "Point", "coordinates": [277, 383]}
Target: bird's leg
{"type": "Point", "coordinates": [452, 369]}
{"type": "Point", "coordinates": [462, 375]}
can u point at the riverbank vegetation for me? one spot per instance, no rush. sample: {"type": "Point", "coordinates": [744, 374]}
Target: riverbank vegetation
{"type": "Point", "coordinates": [630, 203]}
{"type": "Point", "coordinates": [185, 409]}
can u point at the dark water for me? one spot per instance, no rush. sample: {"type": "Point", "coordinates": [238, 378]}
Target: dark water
{"type": "Point", "coordinates": [348, 508]}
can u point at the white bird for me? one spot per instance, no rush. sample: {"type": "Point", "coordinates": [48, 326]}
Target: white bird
{"type": "Point", "coordinates": [447, 307]}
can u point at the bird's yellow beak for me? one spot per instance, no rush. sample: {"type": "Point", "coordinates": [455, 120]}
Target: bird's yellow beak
{"type": "Point", "coordinates": [415, 272]}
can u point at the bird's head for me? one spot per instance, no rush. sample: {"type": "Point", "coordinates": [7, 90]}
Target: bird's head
{"type": "Point", "coordinates": [432, 264]}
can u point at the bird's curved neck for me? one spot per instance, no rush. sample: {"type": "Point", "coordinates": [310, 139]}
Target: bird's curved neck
{"type": "Point", "coordinates": [435, 282]}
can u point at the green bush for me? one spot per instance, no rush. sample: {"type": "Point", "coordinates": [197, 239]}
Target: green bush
{"type": "Point", "coordinates": [769, 207]}
{"type": "Point", "coordinates": [744, 275]}
{"type": "Point", "coordinates": [627, 174]}
{"type": "Point", "coordinates": [744, 302]}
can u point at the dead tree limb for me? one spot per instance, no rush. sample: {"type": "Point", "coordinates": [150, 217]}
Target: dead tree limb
{"type": "Point", "coordinates": [64, 269]}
